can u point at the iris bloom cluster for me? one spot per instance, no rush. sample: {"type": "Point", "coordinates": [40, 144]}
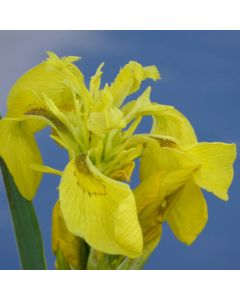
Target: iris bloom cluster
{"type": "Point", "coordinates": [98, 217]}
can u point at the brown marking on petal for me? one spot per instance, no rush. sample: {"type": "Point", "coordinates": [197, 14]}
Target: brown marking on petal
{"type": "Point", "coordinates": [44, 112]}
{"type": "Point", "coordinates": [86, 179]}
{"type": "Point", "coordinates": [81, 164]}
{"type": "Point", "coordinates": [166, 143]}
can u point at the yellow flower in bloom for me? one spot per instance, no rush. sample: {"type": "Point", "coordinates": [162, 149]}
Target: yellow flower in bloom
{"type": "Point", "coordinates": [18, 147]}
{"type": "Point", "coordinates": [97, 129]}
{"type": "Point", "coordinates": [90, 129]}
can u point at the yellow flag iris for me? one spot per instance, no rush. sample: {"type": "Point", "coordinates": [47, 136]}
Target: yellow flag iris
{"type": "Point", "coordinates": [17, 144]}
{"type": "Point", "coordinates": [97, 129]}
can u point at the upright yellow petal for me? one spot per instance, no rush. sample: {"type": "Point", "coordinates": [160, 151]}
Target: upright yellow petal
{"type": "Point", "coordinates": [134, 109]}
{"type": "Point", "coordinates": [187, 216]}
{"type": "Point", "coordinates": [19, 149]}
{"type": "Point", "coordinates": [95, 82]}
{"type": "Point", "coordinates": [101, 122]}
{"type": "Point", "coordinates": [129, 80]}
{"type": "Point", "coordinates": [99, 209]}
{"type": "Point", "coordinates": [216, 171]}
{"type": "Point", "coordinates": [143, 107]}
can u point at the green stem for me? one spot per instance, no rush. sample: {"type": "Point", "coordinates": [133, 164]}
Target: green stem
{"type": "Point", "coordinates": [98, 260]}
{"type": "Point", "coordinates": [27, 232]}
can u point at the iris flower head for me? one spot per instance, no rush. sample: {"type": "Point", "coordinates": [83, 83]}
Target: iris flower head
{"type": "Point", "coordinates": [97, 128]}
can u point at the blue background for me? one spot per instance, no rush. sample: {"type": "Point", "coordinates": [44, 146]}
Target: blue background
{"type": "Point", "coordinates": [200, 76]}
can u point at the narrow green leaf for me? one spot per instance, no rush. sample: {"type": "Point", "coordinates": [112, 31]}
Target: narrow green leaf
{"type": "Point", "coordinates": [27, 232]}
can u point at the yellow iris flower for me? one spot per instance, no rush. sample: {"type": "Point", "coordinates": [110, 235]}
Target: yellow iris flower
{"type": "Point", "coordinates": [97, 129]}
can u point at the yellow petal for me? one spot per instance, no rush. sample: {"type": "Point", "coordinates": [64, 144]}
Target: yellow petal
{"type": "Point", "coordinates": [176, 179]}
{"type": "Point", "coordinates": [99, 209]}
{"type": "Point", "coordinates": [96, 81]}
{"type": "Point", "coordinates": [156, 157]}
{"type": "Point", "coordinates": [49, 77]}
{"type": "Point", "coordinates": [19, 149]}
{"type": "Point", "coordinates": [129, 80]}
{"type": "Point", "coordinates": [45, 169]}
{"type": "Point", "coordinates": [188, 215]}
{"type": "Point", "coordinates": [151, 227]}
{"type": "Point", "coordinates": [146, 139]}
{"type": "Point", "coordinates": [216, 171]}
{"type": "Point", "coordinates": [143, 107]}
{"type": "Point", "coordinates": [171, 122]}
{"type": "Point", "coordinates": [125, 173]}
{"type": "Point", "coordinates": [50, 115]}
{"type": "Point", "coordinates": [133, 109]}
{"type": "Point", "coordinates": [64, 241]}
{"type": "Point", "coordinates": [150, 190]}
{"type": "Point", "coordinates": [149, 195]}
{"type": "Point", "coordinates": [160, 185]}
{"type": "Point", "coordinates": [167, 121]}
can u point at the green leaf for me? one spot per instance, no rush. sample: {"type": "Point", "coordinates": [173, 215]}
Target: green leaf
{"type": "Point", "coordinates": [27, 232]}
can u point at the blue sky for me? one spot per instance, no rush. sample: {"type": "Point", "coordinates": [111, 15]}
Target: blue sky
{"type": "Point", "coordinates": [200, 76]}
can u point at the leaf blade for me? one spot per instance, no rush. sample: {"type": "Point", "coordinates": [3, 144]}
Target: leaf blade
{"type": "Point", "coordinates": [26, 227]}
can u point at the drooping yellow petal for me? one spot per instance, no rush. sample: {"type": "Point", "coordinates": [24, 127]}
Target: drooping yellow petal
{"type": "Point", "coordinates": [171, 122]}
{"type": "Point", "coordinates": [150, 190]}
{"type": "Point", "coordinates": [129, 80]}
{"type": "Point", "coordinates": [149, 195]}
{"type": "Point", "coordinates": [176, 179]}
{"type": "Point", "coordinates": [71, 246]}
{"type": "Point", "coordinates": [99, 209]}
{"type": "Point", "coordinates": [19, 149]}
{"type": "Point", "coordinates": [151, 199]}
{"type": "Point", "coordinates": [151, 227]}
{"type": "Point", "coordinates": [159, 185]}
{"type": "Point", "coordinates": [187, 216]}
{"type": "Point", "coordinates": [216, 171]}
{"type": "Point", "coordinates": [51, 77]}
